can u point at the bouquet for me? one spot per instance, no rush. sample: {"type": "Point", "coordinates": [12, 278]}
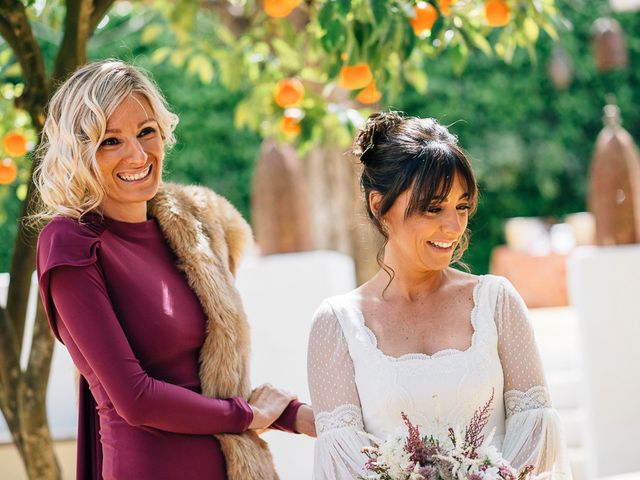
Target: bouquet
{"type": "Point", "coordinates": [464, 455]}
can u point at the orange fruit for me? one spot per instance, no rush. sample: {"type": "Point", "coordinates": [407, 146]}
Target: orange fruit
{"type": "Point", "coordinates": [497, 12]}
{"type": "Point", "coordinates": [445, 6]}
{"type": "Point", "coordinates": [288, 93]}
{"type": "Point", "coordinates": [8, 171]}
{"type": "Point", "coordinates": [290, 125]}
{"type": "Point", "coordinates": [369, 94]}
{"type": "Point", "coordinates": [15, 144]}
{"type": "Point", "coordinates": [425, 16]}
{"type": "Point", "coordinates": [354, 77]}
{"type": "Point", "coordinates": [279, 8]}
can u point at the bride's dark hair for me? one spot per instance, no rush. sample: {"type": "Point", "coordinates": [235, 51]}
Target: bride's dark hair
{"type": "Point", "coordinates": [400, 153]}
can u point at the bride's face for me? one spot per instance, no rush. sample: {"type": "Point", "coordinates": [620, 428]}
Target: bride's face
{"type": "Point", "coordinates": [427, 239]}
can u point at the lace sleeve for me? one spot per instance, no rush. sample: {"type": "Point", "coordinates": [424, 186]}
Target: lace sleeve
{"type": "Point", "coordinates": [338, 449]}
{"type": "Point", "coordinates": [534, 433]}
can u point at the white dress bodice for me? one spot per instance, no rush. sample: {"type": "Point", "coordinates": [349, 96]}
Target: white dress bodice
{"type": "Point", "coordinates": [358, 391]}
{"type": "Point", "coordinates": [435, 391]}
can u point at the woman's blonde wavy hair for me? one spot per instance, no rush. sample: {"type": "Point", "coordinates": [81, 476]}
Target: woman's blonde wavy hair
{"type": "Point", "coordinates": [67, 177]}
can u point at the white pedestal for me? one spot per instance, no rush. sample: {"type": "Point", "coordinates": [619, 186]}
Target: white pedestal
{"type": "Point", "coordinates": [280, 294]}
{"type": "Point", "coordinates": [604, 287]}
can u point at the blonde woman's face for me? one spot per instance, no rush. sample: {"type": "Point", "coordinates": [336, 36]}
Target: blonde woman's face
{"type": "Point", "coordinates": [130, 160]}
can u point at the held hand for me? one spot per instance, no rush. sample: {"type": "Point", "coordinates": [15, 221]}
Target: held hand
{"type": "Point", "coordinates": [267, 403]}
{"type": "Point", "coordinates": [305, 421]}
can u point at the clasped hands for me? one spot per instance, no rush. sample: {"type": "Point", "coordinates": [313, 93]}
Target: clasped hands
{"type": "Point", "coordinates": [268, 403]}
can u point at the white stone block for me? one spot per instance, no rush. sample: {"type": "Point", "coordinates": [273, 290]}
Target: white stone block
{"type": "Point", "coordinates": [604, 288]}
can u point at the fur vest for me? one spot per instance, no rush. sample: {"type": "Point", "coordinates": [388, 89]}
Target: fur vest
{"type": "Point", "coordinates": [208, 236]}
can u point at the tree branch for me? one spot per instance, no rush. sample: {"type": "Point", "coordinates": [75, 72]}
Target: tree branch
{"type": "Point", "coordinates": [42, 344]}
{"type": "Point", "coordinates": [100, 8]}
{"type": "Point", "coordinates": [73, 48]}
{"type": "Point", "coordinates": [16, 30]}
{"type": "Point", "coordinates": [236, 23]}
{"type": "Point", "coordinates": [10, 375]}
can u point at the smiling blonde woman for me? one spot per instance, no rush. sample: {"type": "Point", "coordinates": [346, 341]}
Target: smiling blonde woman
{"type": "Point", "coordinates": [136, 277]}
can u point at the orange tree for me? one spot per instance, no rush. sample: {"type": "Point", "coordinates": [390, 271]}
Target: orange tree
{"type": "Point", "coordinates": [347, 54]}
{"type": "Point", "coordinates": [306, 69]}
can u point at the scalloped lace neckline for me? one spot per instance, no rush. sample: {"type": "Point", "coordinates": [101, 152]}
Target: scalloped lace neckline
{"type": "Point", "coordinates": [439, 353]}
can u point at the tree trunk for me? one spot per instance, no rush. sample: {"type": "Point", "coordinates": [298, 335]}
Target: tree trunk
{"type": "Point", "coordinates": [23, 393]}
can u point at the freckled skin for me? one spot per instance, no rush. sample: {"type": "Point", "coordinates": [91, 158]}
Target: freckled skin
{"type": "Point", "coordinates": [408, 246]}
{"type": "Point", "coordinates": [426, 307]}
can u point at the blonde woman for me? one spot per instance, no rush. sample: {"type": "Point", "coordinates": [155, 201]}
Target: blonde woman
{"type": "Point", "coordinates": [136, 277]}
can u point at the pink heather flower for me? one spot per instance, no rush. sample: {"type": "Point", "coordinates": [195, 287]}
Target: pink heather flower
{"type": "Point", "coordinates": [429, 472]}
{"type": "Point", "coordinates": [506, 472]}
{"type": "Point", "coordinates": [421, 449]}
{"type": "Point", "coordinates": [473, 436]}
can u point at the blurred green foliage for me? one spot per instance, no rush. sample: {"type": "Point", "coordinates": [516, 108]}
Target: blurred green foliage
{"type": "Point", "coordinates": [530, 144]}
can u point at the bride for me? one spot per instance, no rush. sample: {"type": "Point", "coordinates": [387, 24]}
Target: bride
{"type": "Point", "coordinates": [421, 337]}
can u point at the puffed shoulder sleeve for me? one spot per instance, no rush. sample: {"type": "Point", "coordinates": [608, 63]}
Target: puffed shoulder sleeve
{"type": "Point", "coordinates": [63, 242]}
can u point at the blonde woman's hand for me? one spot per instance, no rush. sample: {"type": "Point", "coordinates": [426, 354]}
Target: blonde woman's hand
{"type": "Point", "coordinates": [267, 403]}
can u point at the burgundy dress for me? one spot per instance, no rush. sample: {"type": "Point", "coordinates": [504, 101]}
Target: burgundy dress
{"type": "Point", "coordinates": [134, 328]}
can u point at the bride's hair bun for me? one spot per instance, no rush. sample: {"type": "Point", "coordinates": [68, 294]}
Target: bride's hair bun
{"type": "Point", "coordinates": [378, 126]}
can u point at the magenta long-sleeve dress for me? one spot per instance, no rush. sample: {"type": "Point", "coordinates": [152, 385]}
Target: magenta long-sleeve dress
{"type": "Point", "coordinates": [134, 329]}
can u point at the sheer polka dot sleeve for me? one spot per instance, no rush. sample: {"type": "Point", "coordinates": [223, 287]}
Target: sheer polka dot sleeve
{"type": "Point", "coordinates": [335, 400]}
{"type": "Point", "coordinates": [534, 433]}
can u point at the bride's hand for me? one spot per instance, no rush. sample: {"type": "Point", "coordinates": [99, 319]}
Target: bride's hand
{"type": "Point", "coordinates": [267, 403]}
{"type": "Point", "coordinates": [305, 421]}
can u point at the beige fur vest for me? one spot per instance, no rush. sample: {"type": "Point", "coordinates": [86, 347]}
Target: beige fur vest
{"type": "Point", "coordinates": [208, 235]}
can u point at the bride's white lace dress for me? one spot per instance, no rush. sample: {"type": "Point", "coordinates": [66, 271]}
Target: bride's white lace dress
{"type": "Point", "coordinates": [355, 387]}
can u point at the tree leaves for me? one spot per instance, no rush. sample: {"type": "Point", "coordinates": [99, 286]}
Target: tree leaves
{"type": "Point", "coordinates": [322, 36]}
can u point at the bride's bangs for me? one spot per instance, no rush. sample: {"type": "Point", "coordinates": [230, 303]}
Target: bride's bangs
{"type": "Point", "coordinates": [434, 179]}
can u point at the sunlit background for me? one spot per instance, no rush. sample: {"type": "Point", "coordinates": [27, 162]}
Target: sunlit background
{"type": "Point", "coordinates": [530, 125]}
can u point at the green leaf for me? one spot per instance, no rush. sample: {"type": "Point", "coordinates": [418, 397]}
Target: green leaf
{"type": "Point", "coordinates": [334, 37]}
{"type": "Point", "coordinates": [21, 192]}
{"type": "Point", "coordinates": [531, 29]}
{"type": "Point", "coordinates": [325, 15]}
{"type": "Point", "coordinates": [344, 6]}
{"type": "Point", "coordinates": [459, 54]}
{"type": "Point", "coordinates": [480, 42]}
{"type": "Point", "coordinates": [408, 40]}
{"type": "Point", "coordinates": [225, 35]}
{"type": "Point", "coordinates": [160, 55]}
{"type": "Point", "coordinates": [5, 55]}
{"type": "Point", "coordinates": [417, 78]}
{"type": "Point", "coordinates": [379, 10]}
{"type": "Point", "coordinates": [150, 33]}
{"type": "Point", "coordinates": [551, 31]}
{"type": "Point", "coordinates": [178, 57]}
{"type": "Point", "coordinates": [286, 54]}
{"type": "Point", "coordinates": [437, 27]}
